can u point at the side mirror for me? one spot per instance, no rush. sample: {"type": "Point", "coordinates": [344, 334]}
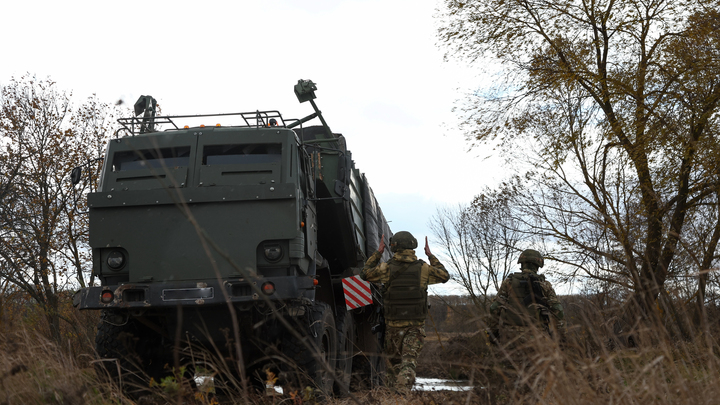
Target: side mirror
{"type": "Point", "coordinates": [75, 175]}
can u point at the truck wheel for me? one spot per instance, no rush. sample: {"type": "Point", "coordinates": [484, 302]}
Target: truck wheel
{"type": "Point", "coordinates": [115, 341]}
{"type": "Point", "coordinates": [132, 350]}
{"type": "Point", "coordinates": [369, 363]}
{"type": "Point", "coordinates": [315, 365]}
{"type": "Point", "coordinates": [346, 349]}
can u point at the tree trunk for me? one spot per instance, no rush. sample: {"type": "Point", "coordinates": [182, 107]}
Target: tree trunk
{"type": "Point", "coordinates": [52, 314]}
{"type": "Point", "coordinates": [708, 256]}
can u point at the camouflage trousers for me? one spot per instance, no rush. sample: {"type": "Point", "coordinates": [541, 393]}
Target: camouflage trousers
{"type": "Point", "coordinates": [402, 347]}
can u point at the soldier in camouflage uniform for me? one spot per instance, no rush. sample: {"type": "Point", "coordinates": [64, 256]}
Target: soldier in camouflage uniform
{"type": "Point", "coordinates": [526, 302]}
{"type": "Point", "coordinates": [405, 303]}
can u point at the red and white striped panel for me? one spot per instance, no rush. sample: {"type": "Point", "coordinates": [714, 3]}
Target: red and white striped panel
{"type": "Point", "coordinates": [357, 292]}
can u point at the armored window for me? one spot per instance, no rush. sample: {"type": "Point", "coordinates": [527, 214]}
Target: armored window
{"type": "Point", "coordinates": [241, 154]}
{"type": "Point", "coordinates": [151, 158]}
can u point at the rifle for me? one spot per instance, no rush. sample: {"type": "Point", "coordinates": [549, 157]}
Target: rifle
{"type": "Point", "coordinates": [535, 295]}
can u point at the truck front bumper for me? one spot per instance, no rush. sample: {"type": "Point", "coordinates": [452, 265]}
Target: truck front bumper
{"type": "Point", "coordinates": [174, 293]}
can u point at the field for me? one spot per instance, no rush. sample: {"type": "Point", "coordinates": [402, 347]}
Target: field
{"type": "Point", "coordinates": [594, 365]}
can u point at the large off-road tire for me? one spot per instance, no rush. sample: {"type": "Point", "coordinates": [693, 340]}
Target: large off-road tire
{"type": "Point", "coordinates": [369, 363]}
{"type": "Point", "coordinates": [315, 356]}
{"type": "Point", "coordinates": [114, 344]}
{"type": "Point", "coordinates": [127, 353]}
{"type": "Point", "coordinates": [346, 349]}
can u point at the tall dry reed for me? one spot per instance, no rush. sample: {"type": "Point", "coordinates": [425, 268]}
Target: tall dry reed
{"type": "Point", "coordinates": [601, 361]}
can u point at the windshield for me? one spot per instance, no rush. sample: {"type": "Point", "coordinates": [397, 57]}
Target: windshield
{"type": "Point", "coordinates": [151, 158]}
{"type": "Point", "coordinates": [241, 154]}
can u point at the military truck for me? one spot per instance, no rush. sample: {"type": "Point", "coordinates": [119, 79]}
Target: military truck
{"type": "Point", "coordinates": [232, 238]}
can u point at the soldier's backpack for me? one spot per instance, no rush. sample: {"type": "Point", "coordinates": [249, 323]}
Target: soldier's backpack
{"type": "Point", "coordinates": [527, 301]}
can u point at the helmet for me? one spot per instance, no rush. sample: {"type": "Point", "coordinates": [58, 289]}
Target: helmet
{"type": "Point", "coordinates": [402, 240]}
{"type": "Point", "coordinates": [531, 256]}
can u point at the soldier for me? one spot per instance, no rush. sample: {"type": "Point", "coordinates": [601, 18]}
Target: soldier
{"type": "Point", "coordinates": [405, 303]}
{"type": "Point", "coordinates": [525, 299]}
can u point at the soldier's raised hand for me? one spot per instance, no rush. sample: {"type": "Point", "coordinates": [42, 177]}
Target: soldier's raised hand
{"type": "Point", "coordinates": [381, 247]}
{"type": "Point", "coordinates": [427, 248]}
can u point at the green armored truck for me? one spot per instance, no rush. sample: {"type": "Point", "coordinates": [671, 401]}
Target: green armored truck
{"type": "Point", "coordinates": [233, 238]}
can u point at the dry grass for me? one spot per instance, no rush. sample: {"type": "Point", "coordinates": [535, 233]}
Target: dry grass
{"type": "Point", "coordinates": [590, 368]}
{"type": "Point", "coordinates": [35, 371]}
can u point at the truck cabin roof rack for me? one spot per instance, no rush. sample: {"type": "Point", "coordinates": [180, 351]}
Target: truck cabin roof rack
{"type": "Point", "coordinates": [146, 116]}
{"type": "Point", "coordinates": [145, 124]}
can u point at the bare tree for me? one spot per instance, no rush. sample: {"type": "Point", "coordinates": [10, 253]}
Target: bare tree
{"type": "Point", "coordinates": [616, 105]}
{"type": "Point", "coordinates": [42, 245]}
{"type": "Point", "coordinates": [482, 242]}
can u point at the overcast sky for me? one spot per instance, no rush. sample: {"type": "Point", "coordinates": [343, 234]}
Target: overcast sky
{"type": "Point", "coordinates": [381, 78]}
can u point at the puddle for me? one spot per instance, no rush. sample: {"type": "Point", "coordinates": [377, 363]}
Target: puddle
{"type": "Point", "coordinates": [205, 383]}
{"type": "Point", "coordinates": [421, 384]}
{"type": "Point", "coordinates": [438, 384]}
